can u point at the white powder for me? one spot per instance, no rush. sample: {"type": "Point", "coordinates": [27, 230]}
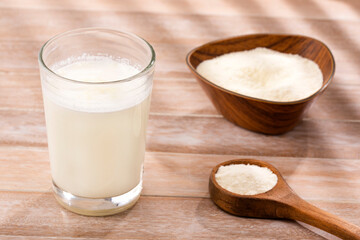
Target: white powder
{"type": "Point", "coordinates": [245, 179]}
{"type": "Point", "coordinates": [265, 74]}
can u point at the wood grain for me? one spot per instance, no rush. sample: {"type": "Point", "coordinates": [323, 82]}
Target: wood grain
{"type": "Point", "coordinates": [194, 31]}
{"type": "Point", "coordinates": [218, 136]}
{"type": "Point", "coordinates": [319, 158]}
{"type": "Point", "coordinates": [334, 104]}
{"type": "Point", "coordinates": [9, 237]}
{"type": "Point", "coordinates": [334, 180]}
{"type": "Point", "coordinates": [332, 9]}
{"type": "Point", "coordinates": [212, 135]}
{"type": "Point", "coordinates": [153, 217]}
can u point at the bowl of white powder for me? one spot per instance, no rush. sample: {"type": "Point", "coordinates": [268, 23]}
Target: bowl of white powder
{"type": "Point", "coordinates": [263, 82]}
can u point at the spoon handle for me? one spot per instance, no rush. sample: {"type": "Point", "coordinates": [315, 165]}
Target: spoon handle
{"type": "Point", "coordinates": [305, 212]}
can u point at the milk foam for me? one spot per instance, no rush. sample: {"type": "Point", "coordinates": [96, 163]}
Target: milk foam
{"type": "Point", "coordinates": [101, 84]}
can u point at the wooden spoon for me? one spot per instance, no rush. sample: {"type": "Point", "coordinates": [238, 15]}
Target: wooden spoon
{"type": "Point", "coordinates": [279, 202]}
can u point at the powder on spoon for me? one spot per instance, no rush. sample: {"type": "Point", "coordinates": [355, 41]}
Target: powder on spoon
{"type": "Point", "coordinates": [246, 179]}
{"type": "Point", "coordinates": [265, 74]}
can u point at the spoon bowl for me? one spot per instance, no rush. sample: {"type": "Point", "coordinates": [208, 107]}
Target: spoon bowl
{"type": "Point", "coordinates": [261, 205]}
{"type": "Point", "coordinates": [279, 202]}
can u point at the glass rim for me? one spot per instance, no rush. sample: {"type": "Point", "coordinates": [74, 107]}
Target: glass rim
{"type": "Point", "coordinates": [143, 72]}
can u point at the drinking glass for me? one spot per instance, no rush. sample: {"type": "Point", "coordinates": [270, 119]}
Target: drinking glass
{"type": "Point", "coordinates": [96, 130]}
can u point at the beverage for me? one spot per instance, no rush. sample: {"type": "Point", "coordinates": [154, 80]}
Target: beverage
{"type": "Point", "coordinates": [96, 154]}
{"type": "Point", "coordinates": [96, 86]}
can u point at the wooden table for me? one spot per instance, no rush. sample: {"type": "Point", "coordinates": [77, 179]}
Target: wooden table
{"type": "Point", "coordinates": [186, 136]}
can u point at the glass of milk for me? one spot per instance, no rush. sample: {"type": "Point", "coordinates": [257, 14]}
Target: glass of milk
{"type": "Point", "coordinates": [96, 86]}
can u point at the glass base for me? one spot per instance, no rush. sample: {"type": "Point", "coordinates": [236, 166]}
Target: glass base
{"type": "Point", "coordinates": [97, 206]}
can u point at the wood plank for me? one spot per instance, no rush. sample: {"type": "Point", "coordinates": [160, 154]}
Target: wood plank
{"type": "Point", "coordinates": [12, 237]}
{"type": "Point", "coordinates": [339, 102]}
{"type": "Point", "coordinates": [335, 34]}
{"type": "Point", "coordinates": [313, 179]}
{"type": "Point", "coordinates": [22, 55]}
{"type": "Point", "coordinates": [212, 135]}
{"type": "Point", "coordinates": [321, 139]}
{"type": "Point", "coordinates": [340, 36]}
{"type": "Point", "coordinates": [169, 174]}
{"type": "Point", "coordinates": [25, 170]}
{"type": "Point", "coordinates": [152, 217]}
{"type": "Point", "coordinates": [21, 128]}
{"type": "Point", "coordinates": [347, 9]}
{"type": "Point", "coordinates": [16, 88]}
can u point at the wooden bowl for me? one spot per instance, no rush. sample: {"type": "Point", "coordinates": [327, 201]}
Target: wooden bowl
{"type": "Point", "coordinates": [255, 114]}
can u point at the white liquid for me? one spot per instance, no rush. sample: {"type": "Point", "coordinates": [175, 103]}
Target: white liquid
{"type": "Point", "coordinates": [95, 153]}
